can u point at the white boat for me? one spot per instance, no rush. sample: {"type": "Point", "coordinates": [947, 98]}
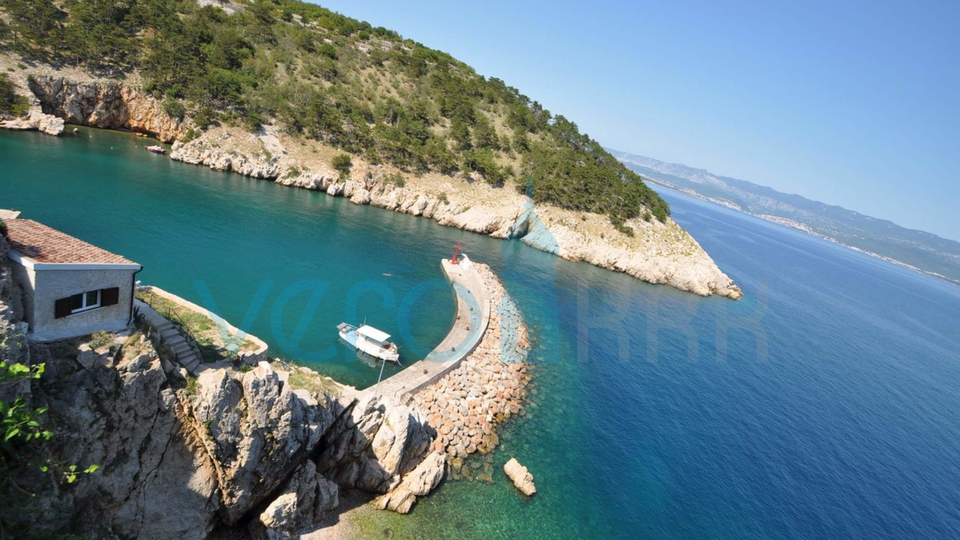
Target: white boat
{"type": "Point", "coordinates": [369, 340]}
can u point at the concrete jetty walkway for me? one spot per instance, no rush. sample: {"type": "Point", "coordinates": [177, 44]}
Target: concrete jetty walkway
{"type": "Point", "coordinates": [473, 317]}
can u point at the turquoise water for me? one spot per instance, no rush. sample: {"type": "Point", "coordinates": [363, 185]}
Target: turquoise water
{"type": "Point", "coordinates": [845, 427]}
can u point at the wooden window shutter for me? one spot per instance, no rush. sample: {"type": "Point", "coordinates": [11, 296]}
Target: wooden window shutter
{"type": "Point", "coordinates": [110, 297]}
{"type": "Point", "coordinates": [62, 308]}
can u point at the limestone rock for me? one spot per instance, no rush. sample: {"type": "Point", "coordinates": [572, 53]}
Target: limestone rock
{"type": "Point", "coordinates": [375, 446]}
{"type": "Point", "coordinates": [426, 476]}
{"type": "Point", "coordinates": [105, 104]}
{"type": "Point", "coordinates": [360, 196]}
{"type": "Point", "coordinates": [116, 410]}
{"type": "Point", "coordinates": [400, 500]}
{"type": "Point", "coordinates": [36, 119]}
{"type": "Point", "coordinates": [258, 430]}
{"type": "Point", "coordinates": [520, 477]}
{"type": "Point", "coordinates": [305, 498]}
{"type": "Point", "coordinates": [335, 189]}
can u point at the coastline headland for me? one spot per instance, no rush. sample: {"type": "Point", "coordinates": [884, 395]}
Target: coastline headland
{"type": "Point", "coordinates": [653, 251]}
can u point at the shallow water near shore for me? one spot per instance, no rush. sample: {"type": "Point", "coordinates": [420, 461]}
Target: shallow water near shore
{"type": "Point", "coordinates": [844, 427]}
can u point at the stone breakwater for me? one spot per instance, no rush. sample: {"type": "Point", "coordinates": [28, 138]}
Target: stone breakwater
{"type": "Point", "coordinates": [488, 387]}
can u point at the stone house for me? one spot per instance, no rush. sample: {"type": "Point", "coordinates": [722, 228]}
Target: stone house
{"type": "Point", "coordinates": [69, 288]}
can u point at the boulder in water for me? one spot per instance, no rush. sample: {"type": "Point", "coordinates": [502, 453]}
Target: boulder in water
{"type": "Point", "coordinates": [520, 476]}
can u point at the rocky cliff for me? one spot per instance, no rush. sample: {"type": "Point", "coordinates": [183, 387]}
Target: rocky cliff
{"type": "Point", "coordinates": [230, 450]}
{"type": "Point", "coordinates": [75, 97]}
{"type": "Point", "coordinates": [106, 104]}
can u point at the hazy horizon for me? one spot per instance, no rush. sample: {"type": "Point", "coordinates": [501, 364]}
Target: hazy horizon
{"type": "Point", "coordinates": [722, 175]}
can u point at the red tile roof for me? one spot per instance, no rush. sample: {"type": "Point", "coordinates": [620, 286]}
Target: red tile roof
{"type": "Point", "coordinates": [47, 245]}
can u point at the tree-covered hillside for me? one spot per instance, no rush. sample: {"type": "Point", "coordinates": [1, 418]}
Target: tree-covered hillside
{"type": "Point", "coordinates": [334, 79]}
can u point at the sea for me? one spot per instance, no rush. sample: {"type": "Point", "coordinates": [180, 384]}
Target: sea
{"type": "Point", "coordinates": [824, 404]}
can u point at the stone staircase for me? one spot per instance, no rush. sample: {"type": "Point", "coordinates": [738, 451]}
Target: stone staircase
{"type": "Point", "coordinates": [170, 335]}
{"type": "Point", "coordinates": [187, 356]}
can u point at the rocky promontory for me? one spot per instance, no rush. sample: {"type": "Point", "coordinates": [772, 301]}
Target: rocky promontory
{"type": "Point", "coordinates": [257, 447]}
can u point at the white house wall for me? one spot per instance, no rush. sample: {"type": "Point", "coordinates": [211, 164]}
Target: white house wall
{"type": "Point", "coordinates": [51, 285]}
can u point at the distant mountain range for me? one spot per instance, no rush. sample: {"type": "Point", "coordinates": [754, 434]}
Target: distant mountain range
{"type": "Point", "coordinates": [919, 250]}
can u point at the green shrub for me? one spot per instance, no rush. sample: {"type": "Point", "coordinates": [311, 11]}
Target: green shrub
{"type": "Point", "coordinates": [24, 437]}
{"type": "Point", "coordinates": [623, 229]}
{"type": "Point", "coordinates": [396, 179]}
{"type": "Point", "coordinates": [174, 108]}
{"type": "Point", "coordinates": [342, 164]}
{"type": "Point", "coordinates": [204, 117]}
{"type": "Point", "coordinates": [252, 122]}
{"type": "Point", "coordinates": [10, 102]}
{"type": "Point", "coordinates": [328, 50]}
{"type": "Point", "coordinates": [661, 214]}
{"type": "Point", "coordinates": [100, 340]}
{"type": "Point", "coordinates": [192, 387]}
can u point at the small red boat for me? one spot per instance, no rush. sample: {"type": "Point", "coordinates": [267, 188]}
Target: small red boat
{"type": "Point", "coordinates": [156, 149]}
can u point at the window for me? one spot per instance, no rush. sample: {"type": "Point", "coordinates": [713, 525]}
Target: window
{"type": "Point", "coordinates": [84, 301]}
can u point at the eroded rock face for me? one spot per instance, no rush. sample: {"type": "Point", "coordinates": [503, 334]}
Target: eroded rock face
{"type": "Point", "coordinates": [224, 159]}
{"type": "Point", "coordinates": [37, 120]}
{"type": "Point", "coordinates": [118, 410]}
{"type": "Point", "coordinates": [306, 498]}
{"type": "Point", "coordinates": [378, 447]}
{"type": "Point", "coordinates": [183, 461]}
{"type": "Point", "coordinates": [258, 430]}
{"type": "Point", "coordinates": [105, 104]}
{"type": "Point", "coordinates": [426, 476]}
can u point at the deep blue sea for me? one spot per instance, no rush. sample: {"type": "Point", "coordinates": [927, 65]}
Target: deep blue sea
{"type": "Point", "coordinates": [823, 405]}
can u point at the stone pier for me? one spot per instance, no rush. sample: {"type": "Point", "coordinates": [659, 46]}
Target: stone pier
{"type": "Point", "coordinates": [473, 318]}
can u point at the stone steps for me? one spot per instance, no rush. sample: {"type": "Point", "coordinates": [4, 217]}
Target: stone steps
{"type": "Point", "coordinates": [170, 336]}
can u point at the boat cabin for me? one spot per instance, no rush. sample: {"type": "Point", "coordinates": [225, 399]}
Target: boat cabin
{"type": "Point", "coordinates": [369, 340]}
{"type": "Point", "coordinates": [372, 334]}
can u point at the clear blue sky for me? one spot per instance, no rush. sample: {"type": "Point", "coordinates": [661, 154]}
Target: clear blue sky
{"type": "Point", "coordinates": [851, 103]}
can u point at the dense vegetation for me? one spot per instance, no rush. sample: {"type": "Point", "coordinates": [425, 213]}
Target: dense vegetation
{"type": "Point", "coordinates": [11, 104]}
{"type": "Point", "coordinates": [362, 89]}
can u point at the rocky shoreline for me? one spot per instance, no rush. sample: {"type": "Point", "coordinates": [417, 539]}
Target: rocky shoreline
{"type": "Point", "coordinates": [660, 253]}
